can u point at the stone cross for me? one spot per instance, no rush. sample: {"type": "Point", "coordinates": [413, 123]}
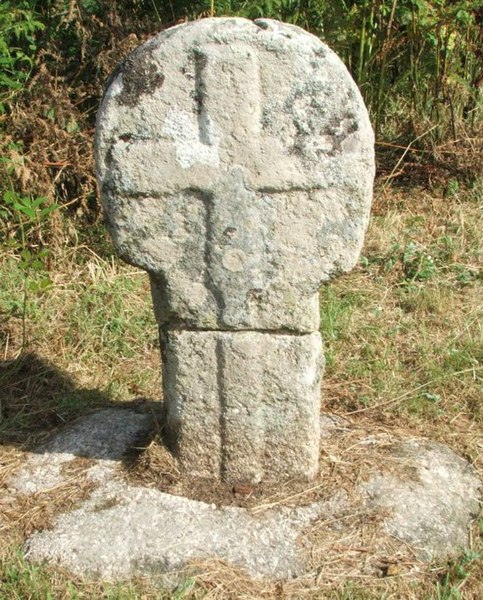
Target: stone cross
{"type": "Point", "coordinates": [235, 161]}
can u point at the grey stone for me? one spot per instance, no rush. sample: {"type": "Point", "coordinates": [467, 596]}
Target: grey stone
{"type": "Point", "coordinates": [123, 531]}
{"type": "Point", "coordinates": [431, 507]}
{"type": "Point", "coordinates": [105, 436]}
{"type": "Point", "coordinates": [235, 161]}
{"type": "Point", "coordinates": [239, 403]}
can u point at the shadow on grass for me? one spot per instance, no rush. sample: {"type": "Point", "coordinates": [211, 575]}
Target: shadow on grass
{"type": "Point", "coordinates": [37, 399]}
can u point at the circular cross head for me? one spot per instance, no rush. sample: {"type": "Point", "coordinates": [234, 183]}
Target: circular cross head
{"type": "Point", "coordinates": [235, 161]}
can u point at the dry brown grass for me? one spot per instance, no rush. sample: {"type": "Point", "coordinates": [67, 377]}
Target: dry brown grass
{"type": "Point", "coordinates": [403, 358]}
{"type": "Point", "coordinates": [345, 462]}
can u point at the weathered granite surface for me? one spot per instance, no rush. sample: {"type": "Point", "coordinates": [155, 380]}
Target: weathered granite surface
{"type": "Point", "coordinates": [124, 531]}
{"type": "Point", "coordinates": [244, 406]}
{"type": "Point", "coordinates": [432, 501]}
{"type": "Point", "coordinates": [426, 503]}
{"type": "Point", "coordinates": [104, 436]}
{"type": "Point", "coordinates": [235, 161]}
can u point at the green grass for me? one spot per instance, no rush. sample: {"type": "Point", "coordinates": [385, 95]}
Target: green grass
{"type": "Point", "coordinates": [97, 315]}
{"type": "Point", "coordinates": [20, 580]}
{"type": "Point", "coordinates": [403, 344]}
{"type": "Point", "coordinates": [409, 318]}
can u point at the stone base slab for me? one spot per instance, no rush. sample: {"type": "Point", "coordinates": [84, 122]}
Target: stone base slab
{"type": "Point", "coordinates": [424, 507]}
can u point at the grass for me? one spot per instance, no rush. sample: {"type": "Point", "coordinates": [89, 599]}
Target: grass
{"type": "Point", "coordinates": [21, 580]}
{"type": "Point", "coordinates": [97, 314]}
{"type": "Point", "coordinates": [403, 343]}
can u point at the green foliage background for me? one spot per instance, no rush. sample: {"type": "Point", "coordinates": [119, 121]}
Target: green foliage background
{"type": "Point", "coordinates": [418, 64]}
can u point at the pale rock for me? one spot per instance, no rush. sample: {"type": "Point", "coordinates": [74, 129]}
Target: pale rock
{"type": "Point", "coordinates": [235, 161]}
{"type": "Point", "coordinates": [237, 157]}
{"type": "Point", "coordinates": [244, 406]}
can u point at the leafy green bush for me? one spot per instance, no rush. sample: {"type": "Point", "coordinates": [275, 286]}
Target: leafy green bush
{"type": "Point", "coordinates": [18, 45]}
{"type": "Point", "coordinates": [417, 62]}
